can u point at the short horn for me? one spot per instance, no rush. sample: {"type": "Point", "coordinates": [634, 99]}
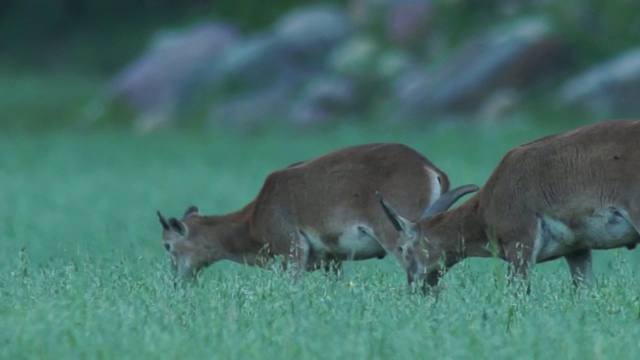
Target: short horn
{"type": "Point", "coordinates": [444, 202]}
{"type": "Point", "coordinates": [163, 221]}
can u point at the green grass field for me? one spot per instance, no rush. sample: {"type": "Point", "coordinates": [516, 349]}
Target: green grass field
{"type": "Point", "coordinates": [83, 273]}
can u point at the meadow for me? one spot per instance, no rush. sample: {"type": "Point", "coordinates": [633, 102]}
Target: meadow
{"type": "Point", "coordinates": [83, 273]}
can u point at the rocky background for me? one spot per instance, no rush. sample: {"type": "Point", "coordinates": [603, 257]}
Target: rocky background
{"type": "Point", "coordinates": [386, 60]}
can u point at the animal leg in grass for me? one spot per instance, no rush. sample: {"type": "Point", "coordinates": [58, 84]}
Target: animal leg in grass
{"type": "Point", "coordinates": [429, 285]}
{"type": "Point", "coordinates": [300, 253]}
{"type": "Point", "coordinates": [520, 258]}
{"type": "Point", "coordinates": [332, 266]}
{"type": "Point", "coordinates": [320, 260]}
{"type": "Point", "coordinates": [580, 266]}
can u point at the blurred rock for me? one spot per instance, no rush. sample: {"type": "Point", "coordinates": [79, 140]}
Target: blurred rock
{"type": "Point", "coordinates": [258, 77]}
{"type": "Point", "coordinates": [252, 109]}
{"type": "Point", "coordinates": [406, 90]}
{"type": "Point", "coordinates": [321, 62]}
{"type": "Point", "coordinates": [405, 23]}
{"type": "Point", "coordinates": [323, 98]}
{"type": "Point", "coordinates": [514, 55]}
{"type": "Point", "coordinates": [256, 61]}
{"type": "Point", "coordinates": [297, 45]}
{"type": "Point", "coordinates": [611, 89]}
{"type": "Point", "coordinates": [408, 22]}
{"type": "Point", "coordinates": [310, 32]}
{"type": "Point", "coordinates": [167, 71]}
{"type": "Point", "coordinates": [510, 56]}
{"type": "Point", "coordinates": [253, 76]}
{"type": "Point", "coordinates": [355, 57]}
{"type": "Point", "coordinates": [162, 80]}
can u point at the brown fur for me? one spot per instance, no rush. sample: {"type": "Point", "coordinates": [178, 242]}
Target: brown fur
{"type": "Point", "coordinates": [551, 190]}
{"type": "Point", "coordinates": [320, 199]}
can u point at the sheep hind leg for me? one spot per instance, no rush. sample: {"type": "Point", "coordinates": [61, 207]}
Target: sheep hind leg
{"type": "Point", "coordinates": [580, 266]}
{"type": "Point", "coordinates": [521, 260]}
{"type": "Point", "coordinates": [300, 253]}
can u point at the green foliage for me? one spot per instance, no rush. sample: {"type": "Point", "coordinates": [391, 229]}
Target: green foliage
{"type": "Point", "coordinates": [594, 29]}
{"type": "Point", "coordinates": [457, 20]}
{"type": "Point", "coordinates": [83, 273]}
{"type": "Point", "coordinates": [103, 36]}
{"type": "Point", "coordinates": [41, 101]}
{"type": "Point", "coordinates": [597, 29]}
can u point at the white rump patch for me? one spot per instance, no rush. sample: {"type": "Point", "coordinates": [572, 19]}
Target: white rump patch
{"type": "Point", "coordinates": [436, 186]}
{"type": "Point", "coordinates": [355, 243]}
{"type": "Point", "coordinates": [352, 244]}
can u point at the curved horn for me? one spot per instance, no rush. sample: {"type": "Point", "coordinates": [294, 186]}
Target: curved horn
{"type": "Point", "coordinates": [447, 199]}
{"type": "Point", "coordinates": [191, 210]}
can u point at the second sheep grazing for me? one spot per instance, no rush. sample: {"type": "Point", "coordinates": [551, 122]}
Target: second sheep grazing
{"type": "Point", "coordinates": [313, 213]}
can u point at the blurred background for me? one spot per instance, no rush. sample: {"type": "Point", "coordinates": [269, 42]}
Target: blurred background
{"type": "Point", "coordinates": [224, 64]}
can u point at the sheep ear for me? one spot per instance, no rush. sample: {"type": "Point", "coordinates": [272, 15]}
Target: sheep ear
{"type": "Point", "coordinates": [178, 227]}
{"type": "Point", "coordinates": [163, 221]}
